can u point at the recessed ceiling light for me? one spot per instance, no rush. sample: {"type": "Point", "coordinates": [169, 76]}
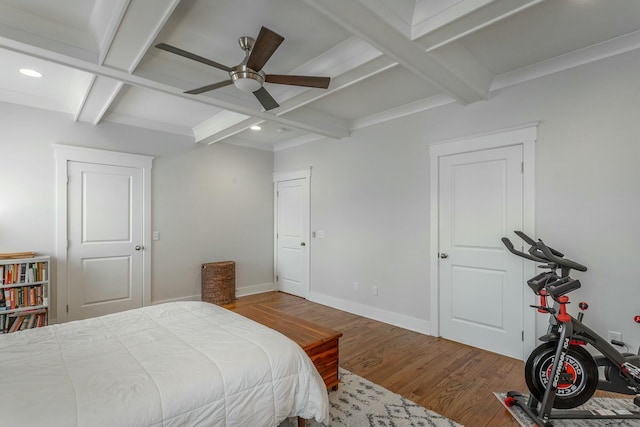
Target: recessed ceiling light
{"type": "Point", "coordinates": [255, 127]}
{"type": "Point", "coordinates": [29, 72]}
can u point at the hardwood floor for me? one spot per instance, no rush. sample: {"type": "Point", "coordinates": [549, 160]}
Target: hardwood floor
{"type": "Point", "coordinates": [452, 379]}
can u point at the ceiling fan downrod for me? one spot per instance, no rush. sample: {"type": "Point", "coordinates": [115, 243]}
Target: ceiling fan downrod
{"type": "Point", "coordinates": [243, 77]}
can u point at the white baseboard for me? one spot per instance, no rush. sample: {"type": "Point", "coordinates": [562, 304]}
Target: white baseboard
{"type": "Point", "coordinates": [385, 316]}
{"type": "Point", "coordinates": [240, 292]}
{"type": "Point", "coordinates": [255, 289]}
{"type": "Point", "coordinates": [189, 298]}
{"type": "Point", "coordinates": [389, 317]}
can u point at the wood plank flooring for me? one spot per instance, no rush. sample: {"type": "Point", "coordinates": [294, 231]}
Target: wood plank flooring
{"type": "Point", "coordinates": [452, 379]}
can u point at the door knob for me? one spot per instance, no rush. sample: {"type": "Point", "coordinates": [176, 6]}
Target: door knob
{"type": "Point", "coordinates": [303, 244]}
{"type": "Point", "coordinates": [444, 255]}
{"type": "Point", "coordinates": [138, 247]}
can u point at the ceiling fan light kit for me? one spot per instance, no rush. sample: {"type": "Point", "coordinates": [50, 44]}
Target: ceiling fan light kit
{"type": "Point", "coordinates": [246, 79]}
{"type": "Point", "coordinates": [249, 76]}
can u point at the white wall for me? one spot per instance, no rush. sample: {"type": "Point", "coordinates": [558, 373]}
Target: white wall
{"type": "Point", "coordinates": [208, 202]}
{"type": "Point", "coordinates": [369, 192]}
{"type": "Point", "coordinates": [212, 203]}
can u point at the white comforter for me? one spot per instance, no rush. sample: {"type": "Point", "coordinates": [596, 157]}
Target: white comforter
{"type": "Point", "coordinates": [176, 364]}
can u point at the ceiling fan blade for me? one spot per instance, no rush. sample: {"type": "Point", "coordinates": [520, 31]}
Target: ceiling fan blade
{"type": "Point", "coordinates": [207, 88]}
{"type": "Point", "coordinates": [266, 43]}
{"type": "Point", "coordinates": [307, 81]}
{"type": "Point", "coordinates": [266, 99]}
{"type": "Point", "coordinates": [193, 56]}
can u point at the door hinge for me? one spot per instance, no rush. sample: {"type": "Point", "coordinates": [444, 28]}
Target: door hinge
{"type": "Point", "coordinates": [521, 167]}
{"type": "Point", "coordinates": [522, 335]}
{"type": "Point", "coordinates": [67, 308]}
{"type": "Point", "coordinates": [67, 179]}
{"type": "Point", "coordinates": [277, 278]}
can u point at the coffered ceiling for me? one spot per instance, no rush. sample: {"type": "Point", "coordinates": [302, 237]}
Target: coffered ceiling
{"type": "Point", "coordinates": [385, 58]}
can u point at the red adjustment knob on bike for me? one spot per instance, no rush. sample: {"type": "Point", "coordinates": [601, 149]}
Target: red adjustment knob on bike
{"type": "Point", "coordinates": [636, 319]}
{"type": "Point", "coordinates": [583, 306]}
{"type": "Point", "coordinates": [563, 316]}
{"type": "Point", "coordinates": [543, 301]}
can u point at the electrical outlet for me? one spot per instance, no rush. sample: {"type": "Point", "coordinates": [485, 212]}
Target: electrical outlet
{"type": "Point", "coordinates": [615, 336]}
{"type": "Point", "coordinates": [374, 290]}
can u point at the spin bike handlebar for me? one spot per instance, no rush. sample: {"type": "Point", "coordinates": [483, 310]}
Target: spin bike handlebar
{"type": "Point", "coordinates": [514, 251]}
{"type": "Point", "coordinates": [563, 262]}
{"type": "Point", "coordinates": [539, 252]}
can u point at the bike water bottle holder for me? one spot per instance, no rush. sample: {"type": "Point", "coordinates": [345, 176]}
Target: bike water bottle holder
{"type": "Point", "coordinates": [541, 280]}
{"type": "Point", "coordinates": [562, 286]}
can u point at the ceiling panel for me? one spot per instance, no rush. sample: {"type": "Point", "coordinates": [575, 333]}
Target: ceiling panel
{"type": "Point", "coordinates": [388, 89]}
{"type": "Point", "coordinates": [551, 29]}
{"type": "Point", "coordinates": [71, 13]}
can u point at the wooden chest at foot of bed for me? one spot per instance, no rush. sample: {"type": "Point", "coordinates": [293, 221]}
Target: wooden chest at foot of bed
{"type": "Point", "coordinates": [320, 343]}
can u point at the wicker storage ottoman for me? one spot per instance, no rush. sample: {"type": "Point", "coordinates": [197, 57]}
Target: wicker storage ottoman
{"type": "Point", "coordinates": [219, 282]}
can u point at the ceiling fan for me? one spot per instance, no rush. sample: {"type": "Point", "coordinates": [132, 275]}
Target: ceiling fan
{"type": "Point", "coordinates": [248, 76]}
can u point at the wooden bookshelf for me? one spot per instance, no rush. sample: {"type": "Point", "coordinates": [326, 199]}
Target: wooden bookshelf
{"type": "Point", "coordinates": [24, 293]}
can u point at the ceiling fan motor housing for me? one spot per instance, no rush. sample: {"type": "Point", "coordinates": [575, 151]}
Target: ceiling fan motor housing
{"type": "Point", "coordinates": [246, 79]}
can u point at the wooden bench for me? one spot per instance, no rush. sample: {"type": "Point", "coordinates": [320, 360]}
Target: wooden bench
{"type": "Point", "coordinates": [320, 343]}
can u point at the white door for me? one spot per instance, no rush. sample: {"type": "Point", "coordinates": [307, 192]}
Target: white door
{"type": "Point", "coordinates": [105, 259]}
{"type": "Point", "coordinates": [292, 236]}
{"type": "Point", "coordinates": [481, 284]}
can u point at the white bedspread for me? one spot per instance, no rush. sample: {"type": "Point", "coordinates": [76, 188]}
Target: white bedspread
{"type": "Point", "coordinates": [175, 364]}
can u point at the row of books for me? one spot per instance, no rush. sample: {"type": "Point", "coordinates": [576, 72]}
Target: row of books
{"type": "Point", "coordinates": [26, 272]}
{"type": "Point", "coordinates": [23, 297]}
{"type": "Point", "coordinates": [25, 320]}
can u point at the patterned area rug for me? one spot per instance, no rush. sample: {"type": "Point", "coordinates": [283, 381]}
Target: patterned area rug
{"type": "Point", "coordinates": [595, 404]}
{"type": "Point", "coordinates": [361, 403]}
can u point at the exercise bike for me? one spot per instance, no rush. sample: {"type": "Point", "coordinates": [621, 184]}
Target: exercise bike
{"type": "Point", "coordinates": [560, 373]}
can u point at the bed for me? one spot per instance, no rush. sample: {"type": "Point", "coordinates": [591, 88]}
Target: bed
{"type": "Point", "coordinates": [173, 364]}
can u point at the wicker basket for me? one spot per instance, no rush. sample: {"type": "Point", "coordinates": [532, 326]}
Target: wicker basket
{"type": "Point", "coordinates": [219, 282]}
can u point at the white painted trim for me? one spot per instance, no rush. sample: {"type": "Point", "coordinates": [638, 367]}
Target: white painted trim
{"type": "Point", "coordinates": [526, 135]}
{"type": "Point", "coordinates": [304, 173]}
{"type": "Point", "coordinates": [606, 49]}
{"type": "Point", "coordinates": [197, 297]}
{"type": "Point", "coordinates": [392, 318]}
{"type": "Point", "coordinates": [130, 120]}
{"type": "Point", "coordinates": [255, 289]}
{"type": "Point", "coordinates": [294, 174]}
{"type": "Point", "coordinates": [67, 153]}
{"type": "Point", "coordinates": [240, 292]}
{"type": "Point", "coordinates": [401, 111]}
{"type": "Point", "coordinates": [294, 142]}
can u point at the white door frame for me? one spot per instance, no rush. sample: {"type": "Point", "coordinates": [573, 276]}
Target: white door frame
{"type": "Point", "coordinates": [304, 173]}
{"type": "Point", "coordinates": [526, 136]}
{"type": "Point", "coordinates": [67, 153]}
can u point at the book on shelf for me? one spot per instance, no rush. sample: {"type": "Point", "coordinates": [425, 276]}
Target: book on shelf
{"type": "Point", "coordinates": [17, 255]}
{"type": "Point", "coordinates": [13, 322]}
{"type": "Point", "coordinates": [25, 272]}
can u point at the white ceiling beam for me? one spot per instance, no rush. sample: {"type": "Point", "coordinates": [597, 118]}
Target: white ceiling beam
{"type": "Point", "coordinates": [99, 97]}
{"type": "Point", "coordinates": [125, 30]}
{"type": "Point", "coordinates": [365, 24]}
{"type": "Point", "coordinates": [339, 129]}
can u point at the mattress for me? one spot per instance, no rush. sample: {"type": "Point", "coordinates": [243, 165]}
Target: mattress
{"type": "Point", "coordinates": [174, 364]}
